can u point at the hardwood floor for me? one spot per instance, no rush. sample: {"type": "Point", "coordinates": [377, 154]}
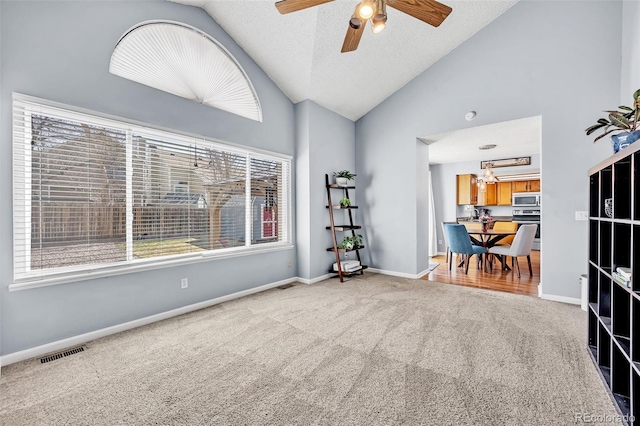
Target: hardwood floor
{"type": "Point", "coordinates": [499, 280]}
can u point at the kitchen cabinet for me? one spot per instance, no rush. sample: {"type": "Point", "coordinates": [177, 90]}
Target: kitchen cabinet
{"type": "Point", "coordinates": [467, 189]}
{"type": "Point", "coordinates": [489, 196]}
{"type": "Point", "coordinates": [526, 186]}
{"type": "Point", "coordinates": [534, 185]}
{"type": "Point", "coordinates": [503, 193]}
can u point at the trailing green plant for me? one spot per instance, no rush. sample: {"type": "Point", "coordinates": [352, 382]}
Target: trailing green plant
{"type": "Point", "coordinates": [345, 202]}
{"type": "Point", "coordinates": [344, 174]}
{"type": "Point", "coordinates": [350, 242]}
{"type": "Point", "coordinates": [624, 120]}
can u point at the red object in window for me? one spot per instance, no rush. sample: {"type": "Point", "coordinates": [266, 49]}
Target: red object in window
{"type": "Point", "coordinates": [269, 223]}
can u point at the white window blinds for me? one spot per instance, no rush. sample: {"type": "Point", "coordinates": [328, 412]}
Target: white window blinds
{"type": "Point", "coordinates": [92, 194]}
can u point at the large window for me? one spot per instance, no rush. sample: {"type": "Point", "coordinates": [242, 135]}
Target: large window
{"type": "Point", "coordinates": [93, 194]}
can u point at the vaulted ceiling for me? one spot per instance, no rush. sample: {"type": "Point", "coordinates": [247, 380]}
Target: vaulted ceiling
{"type": "Point", "coordinates": [301, 51]}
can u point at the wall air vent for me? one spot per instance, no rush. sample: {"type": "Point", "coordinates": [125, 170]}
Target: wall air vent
{"type": "Point", "coordinates": [62, 354]}
{"type": "Point", "coordinates": [186, 62]}
{"type": "Point", "coordinates": [284, 287]}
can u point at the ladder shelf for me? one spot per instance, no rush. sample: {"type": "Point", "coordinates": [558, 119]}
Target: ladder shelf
{"type": "Point", "coordinates": [342, 228]}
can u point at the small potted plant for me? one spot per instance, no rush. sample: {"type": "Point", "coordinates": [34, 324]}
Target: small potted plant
{"type": "Point", "coordinates": [345, 202]}
{"type": "Point", "coordinates": [343, 177]}
{"type": "Point", "coordinates": [346, 244]}
{"type": "Point", "coordinates": [349, 243]}
{"type": "Point", "coordinates": [625, 122]}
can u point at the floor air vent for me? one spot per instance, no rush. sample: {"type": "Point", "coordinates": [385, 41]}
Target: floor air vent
{"type": "Point", "coordinates": [62, 354]}
{"type": "Point", "coordinates": [284, 287]}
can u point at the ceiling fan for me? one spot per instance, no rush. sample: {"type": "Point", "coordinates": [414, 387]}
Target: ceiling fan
{"type": "Point", "coordinates": [429, 11]}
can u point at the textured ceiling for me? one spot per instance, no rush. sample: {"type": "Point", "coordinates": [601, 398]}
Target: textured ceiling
{"type": "Point", "coordinates": [514, 138]}
{"type": "Point", "coordinates": [301, 51]}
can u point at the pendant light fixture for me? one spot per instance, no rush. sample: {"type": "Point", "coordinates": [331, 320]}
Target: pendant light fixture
{"type": "Point", "coordinates": [489, 177]}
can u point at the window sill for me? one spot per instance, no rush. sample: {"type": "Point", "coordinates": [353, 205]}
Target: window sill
{"type": "Point", "coordinates": [29, 283]}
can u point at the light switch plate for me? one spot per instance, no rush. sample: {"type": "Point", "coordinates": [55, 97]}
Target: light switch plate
{"type": "Point", "coordinates": [582, 215]}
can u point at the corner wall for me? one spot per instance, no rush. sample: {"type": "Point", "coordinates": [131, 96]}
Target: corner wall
{"type": "Point", "coordinates": [535, 59]}
{"type": "Point", "coordinates": [60, 51]}
{"type": "Point", "coordinates": [325, 144]}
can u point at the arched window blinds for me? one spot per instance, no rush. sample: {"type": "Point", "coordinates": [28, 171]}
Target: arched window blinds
{"type": "Point", "coordinates": [184, 61]}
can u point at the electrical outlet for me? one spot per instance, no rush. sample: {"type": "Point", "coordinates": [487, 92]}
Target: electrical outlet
{"type": "Point", "coordinates": [184, 283]}
{"type": "Point", "coordinates": [289, 264]}
{"type": "Point", "coordinates": [439, 241]}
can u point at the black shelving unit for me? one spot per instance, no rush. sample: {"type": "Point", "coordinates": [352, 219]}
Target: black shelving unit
{"type": "Point", "coordinates": [342, 228]}
{"type": "Point", "coordinates": [613, 319]}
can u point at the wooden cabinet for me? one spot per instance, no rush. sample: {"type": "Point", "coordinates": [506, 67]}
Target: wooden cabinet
{"type": "Point", "coordinates": [503, 191]}
{"type": "Point", "coordinates": [467, 189]}
{"type": "Point", "coordinates": [534, 185]}
{"type": "Point", "coordinates": [525, 186]}
{"type": "Point", "coordinates": [489, 196]}
{"type": "Point", "coordinates": [520, 186]}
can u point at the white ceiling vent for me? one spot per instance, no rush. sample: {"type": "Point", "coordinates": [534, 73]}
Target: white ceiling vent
{"type": "Point", "coordinates": [186, 62]}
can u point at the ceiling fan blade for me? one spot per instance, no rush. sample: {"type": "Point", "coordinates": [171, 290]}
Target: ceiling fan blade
{"type": "Point", "coordinates": [288, 6]}
{"type": "Point", "coordinates": [429, 11]}
{"type": "Point", "coordinates": [352, 39]}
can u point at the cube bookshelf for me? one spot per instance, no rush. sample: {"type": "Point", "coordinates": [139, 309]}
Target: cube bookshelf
{"type": "Point", "coordinates": [613, 317]}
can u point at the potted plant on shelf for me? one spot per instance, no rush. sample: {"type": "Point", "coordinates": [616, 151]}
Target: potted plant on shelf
{"type": "Point", "coordinates": [349, 243]}
{"type": "Point", "coordinates": [624, 121]}
{"type": "Point", "coordinates": [343, 177]}
{"type": "Point", "coordinates": [345, 202]}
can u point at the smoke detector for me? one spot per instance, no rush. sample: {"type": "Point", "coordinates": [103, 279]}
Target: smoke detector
{"type": "Point", "coordinates": [470, 115]}
{"type": "Point", "coordinates": [486, 147]}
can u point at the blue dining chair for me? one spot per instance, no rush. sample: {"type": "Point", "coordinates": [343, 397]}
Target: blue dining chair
{"type": "Point", "coordinates": [459, 242]}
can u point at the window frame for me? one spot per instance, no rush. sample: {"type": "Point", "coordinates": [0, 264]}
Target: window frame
{"type": "Point", "coordinates": [23, 279]}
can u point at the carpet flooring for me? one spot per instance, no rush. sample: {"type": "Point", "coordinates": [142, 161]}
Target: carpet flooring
{"type": "Point", "coordinates": [374, 350]}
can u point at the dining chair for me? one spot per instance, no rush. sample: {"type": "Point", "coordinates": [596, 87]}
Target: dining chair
{"type": "Point", "coordinates": [460, 243]}
{"type": "Point", "coordinates": [446, 240]}
{"type": "Point", "coordinates": [505, 227]}
{"type": "Point", "coordinates": [473, 226]}
{"type": "Point", "coordinates": [522, 244]}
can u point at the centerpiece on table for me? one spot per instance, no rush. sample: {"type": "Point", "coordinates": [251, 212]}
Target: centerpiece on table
{"type": "Point", "coordinates": [485, 220]}
{"type": "Point", "coordinates": [626, 122]}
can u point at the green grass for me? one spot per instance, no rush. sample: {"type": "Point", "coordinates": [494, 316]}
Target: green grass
{"type": "Point", "coordinates": [155, 248]}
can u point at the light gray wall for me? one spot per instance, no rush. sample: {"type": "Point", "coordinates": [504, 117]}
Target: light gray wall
{"type": "Point", "coordinates": [326, 144]}
{"type": "Point", "coordinates": [535, 59]}
{"type": "Point", "coordinates": [630, 51]}
{"type": "Point", "coordinates": [60, 51]}
{"type": "Point", "coordinates": [422, 205]}
{"type": "Point", "coordinates": [445, 189]}
{"type": "Point", "coordinates": [303, 196]}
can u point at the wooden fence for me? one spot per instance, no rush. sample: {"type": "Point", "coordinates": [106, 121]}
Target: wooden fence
{"type": "Point", "coordinates": [69, 222]}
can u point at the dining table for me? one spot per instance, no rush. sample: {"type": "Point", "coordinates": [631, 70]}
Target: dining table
{"type": "Point", "coordinates": [488, 239]}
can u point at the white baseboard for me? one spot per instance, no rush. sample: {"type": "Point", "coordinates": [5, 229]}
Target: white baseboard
{"type": "Point", "coordinates": [423, 273]}
{"type": "Point", "coordinates": [313, 280]}
{"type": "Point", "coordinates": [93, 335]}
{"type": "Point", "coordinates": [397, 274]}
{"type": "Point", "coordinates": [563, 299]}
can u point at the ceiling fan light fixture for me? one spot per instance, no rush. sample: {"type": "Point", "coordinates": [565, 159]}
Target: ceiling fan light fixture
{"type": "Point", "coordinates": [365, 10]}
{"type": "Point", "coordinates": [377, 27]}
{"type": "Point", "coordinates": [355, 22]}
{"type": "Point", "coordinates": [379, 18]}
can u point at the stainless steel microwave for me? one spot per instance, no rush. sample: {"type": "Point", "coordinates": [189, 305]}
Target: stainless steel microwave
{"type": "Point", "coordinates": [526, 199]}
